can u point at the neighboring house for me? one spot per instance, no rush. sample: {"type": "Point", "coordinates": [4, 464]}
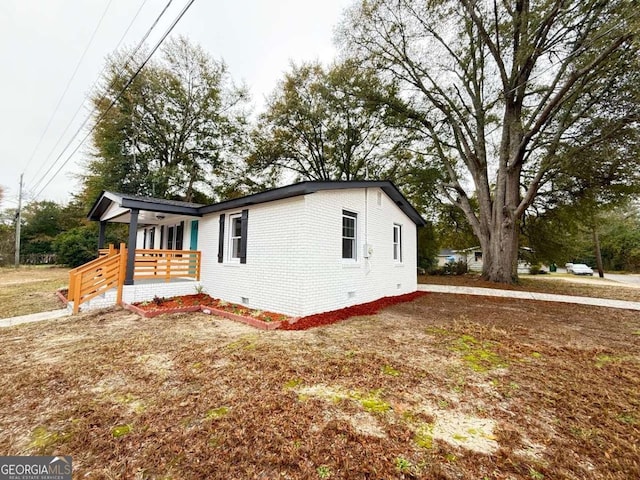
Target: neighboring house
{"type": "Point", "coordinates": [448, 256]}
{"type": "Point", "coordinates": [473, 257]}
{"type": "Point", "coordinates": [306, 248]}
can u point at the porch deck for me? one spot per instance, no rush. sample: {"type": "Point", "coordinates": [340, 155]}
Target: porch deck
{"type": "Point", "coordinates": [154, 273]}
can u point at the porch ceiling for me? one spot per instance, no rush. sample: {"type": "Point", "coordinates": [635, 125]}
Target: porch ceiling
{"type": "Point", "coordinates": [146, 217]}
{"type": "Point", "coordinates": [116, 207]}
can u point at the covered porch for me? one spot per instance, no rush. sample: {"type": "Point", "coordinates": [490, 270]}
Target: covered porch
{"type": "Point", "coordinates": [152, 262]}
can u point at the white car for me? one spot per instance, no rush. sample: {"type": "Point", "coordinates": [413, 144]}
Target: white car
{"type": "Point", "coordinates": [581, 269]}
{"type": "Point", "coordinates": [569, 267]}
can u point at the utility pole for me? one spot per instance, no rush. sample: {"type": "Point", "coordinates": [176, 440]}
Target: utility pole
{"type": "Point", "coordinates": [18, 222]}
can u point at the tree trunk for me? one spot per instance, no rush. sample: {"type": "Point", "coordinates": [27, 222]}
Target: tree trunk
{"type": "Point", "coordinates": [500, 255]}
{"type": "Point", "coordinates": [596, 244]}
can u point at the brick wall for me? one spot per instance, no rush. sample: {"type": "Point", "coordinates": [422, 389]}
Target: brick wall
{"type": "Point", "coordinates": [337, 283]}
{"type": "Point", "coordinates": [272, 277]}
{"type": "Point", "coordinates": [294, 254]}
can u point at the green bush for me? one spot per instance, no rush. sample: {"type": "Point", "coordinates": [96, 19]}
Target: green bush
{"type": "Point", "coordinates": [76, 246]}
{"type": "Point", "coordinates": [451, 268]}
{"type": "Point", "coordinates": [460, 268]}
{"type": "Point", "coordinates": [535, 268]}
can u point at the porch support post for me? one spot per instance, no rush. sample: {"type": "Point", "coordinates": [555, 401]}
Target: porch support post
{"type": "Point", "coordinates": [101, 234]}
{"type": "Point", "coordinates": [131, 246]}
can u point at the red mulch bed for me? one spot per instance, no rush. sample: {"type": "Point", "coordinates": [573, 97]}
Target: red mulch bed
{"type": "Point", "coordinates": [370, 308]}
{"type": "Point", "coordinates": [161, 303]}
{"type": "Point", "coordinates": [182, 304]}
{"type": "Point", "coordinates": [185, 303]}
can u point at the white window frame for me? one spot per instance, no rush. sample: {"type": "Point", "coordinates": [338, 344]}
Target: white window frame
{"type": "Point", "coordinates": [354, 252]}
{"type": "Point", "coordinates": [397, 243]}
{"type": "Point", "coordinates": [232, 217]}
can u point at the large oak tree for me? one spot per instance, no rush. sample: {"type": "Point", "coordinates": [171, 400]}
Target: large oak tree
{"type": "Point", "coordinates": [499, 89]}
{"type": "Point", "coordinates": [179, 121]}
{"type": "Point", "coordinates": [320, 125]}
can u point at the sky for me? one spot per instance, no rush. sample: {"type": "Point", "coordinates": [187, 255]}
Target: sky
{"type": "Point", "coordinates": [42, 41]}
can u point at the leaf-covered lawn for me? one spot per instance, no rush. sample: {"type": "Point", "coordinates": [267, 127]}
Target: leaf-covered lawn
{"type": "Point", "coordinates": [30, 289]}
{"type": "Point", "coordinates": [445, 387]}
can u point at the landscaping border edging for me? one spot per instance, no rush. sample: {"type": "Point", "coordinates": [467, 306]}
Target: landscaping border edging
{"type": "Point", "coordinates": [155, 313]}
{"type": "Point", "coordinates": [61, 296]}
{"type": "Point", "coordinates": [254, 322]}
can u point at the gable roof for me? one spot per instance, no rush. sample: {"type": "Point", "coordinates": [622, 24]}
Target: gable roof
{"type": "Point", "coordinates": [106, 199]}
{"type": "Point", "coordinates": [124, 200]}
{"type": "Point", "coordinates": [305, 188]}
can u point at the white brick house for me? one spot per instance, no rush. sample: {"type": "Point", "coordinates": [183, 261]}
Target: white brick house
{"type": "Point", "coordinates": [306, 248]}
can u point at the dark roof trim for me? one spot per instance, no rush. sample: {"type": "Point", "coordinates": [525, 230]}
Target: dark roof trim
{"type": "Point", "coordinates": [150, 204]}
{"type": "Point", "coordinates": [305, 188]}
{"type": "Point", "coordinates": [105, 200]}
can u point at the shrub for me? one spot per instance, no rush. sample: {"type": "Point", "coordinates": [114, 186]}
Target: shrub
{"type": "Point", "coordinates": [451, 268]}
{"type": "Point", "coordinates": [76, 246]}
{"type": "Point", "coordinates": [535, 269]}
{"type": "Point", "coordinates": [460, 268]}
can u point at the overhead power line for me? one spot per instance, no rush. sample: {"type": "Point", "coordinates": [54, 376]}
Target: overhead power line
{"type": "Point", "coordinates": [66, 89]}
{"type": "Point", "coordinates": [75, 114]}
{"type": "Point", "coordinates": [86, 120]}
{"type": "Point", "coordinates": [120, 72]}
{"type": "Point", "coordinates": [115, 100]}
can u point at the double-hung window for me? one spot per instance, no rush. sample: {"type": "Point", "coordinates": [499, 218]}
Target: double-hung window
{"type": "Point", "coordinates": [232, 237]}
{"type": "Point", "coordinates": [397, 242]}
{"type": "Point", "coordinates": [349, 231]}
{"type": "Point", "coordinates": [235, 236]}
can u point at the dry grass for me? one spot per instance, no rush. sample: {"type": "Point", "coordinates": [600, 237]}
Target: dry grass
{"type": "Point", "coordinates": [556, 283]}
{"type": "Point", "coordinates": [30, 289]}
{"type": "Point", "coordinates": [446, 387]}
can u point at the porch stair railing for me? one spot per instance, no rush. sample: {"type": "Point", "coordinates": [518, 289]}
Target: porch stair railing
{"type": "Point", "coordinates": [109, 269]}
{"type": "Point", "coordinates": [97, 276]}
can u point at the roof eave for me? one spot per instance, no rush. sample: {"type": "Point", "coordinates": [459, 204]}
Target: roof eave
{"type": "Point", "coordinates": [160, 207]}
{"type": "Point", "coordinates": [106, 198]}
{"type": "Point", "coordinates": [305, 188]}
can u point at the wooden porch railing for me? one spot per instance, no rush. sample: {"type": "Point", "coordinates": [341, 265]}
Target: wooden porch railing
{"type": "Point", "coordinates": [167, 264]}
{"type": "Point", "coordinates": [108, 251]}
{"type": "Point", "coordinates": [98, 276]}
{"type": "Point", "coordinates": [108, 271]}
